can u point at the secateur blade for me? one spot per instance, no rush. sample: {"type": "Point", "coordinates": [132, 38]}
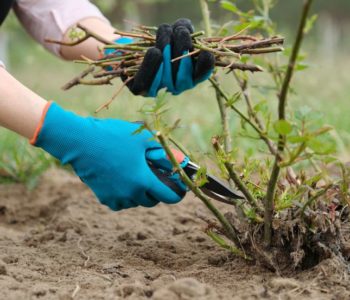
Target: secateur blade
{"type": "Point", "coordinates": [214, 188]}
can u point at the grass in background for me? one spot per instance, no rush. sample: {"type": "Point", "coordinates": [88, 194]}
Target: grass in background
{"type": "Point", "coordinates": [19, 162]}
{"type": "Point", "coordinates": [324, 87]}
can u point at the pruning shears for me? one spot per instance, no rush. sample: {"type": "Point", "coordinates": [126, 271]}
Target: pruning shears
{"type": "Point", "coordinates": [213, 187]}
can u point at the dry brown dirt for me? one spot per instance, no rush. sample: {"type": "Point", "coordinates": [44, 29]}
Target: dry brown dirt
{"type": "Point", "coordinates": [57, 242]}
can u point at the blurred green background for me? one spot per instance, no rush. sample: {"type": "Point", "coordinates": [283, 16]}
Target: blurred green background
{"type": "Point", "coordinates": [324, 85]}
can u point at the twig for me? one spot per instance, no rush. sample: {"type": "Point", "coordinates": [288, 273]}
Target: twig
{"type": "Point", "coordinates": [238, 66]}
{"type": "Point", "coordinates": [88, 34]}
{"type": "Point", "coordinates": [262, 50]}
{"type": "Point", "coordinates": [186, 55]}
{"type": "Point", "coordinates": [259, 129]}
{"type": "Point", "coordinates": [221, 103]}
{"type": "Point", "coordinates": [116, 94]}
{"type": "Point", "coordinates": [76, 291]}
{"type": "Point", "coordinates": [69, 44]}
{"type": "Point", "coordinates": [94, 35]}
{"type": "Point", "coordinates": [101, 81]}
{"type": "Point", "coordinates": [244, 117]}
{"type": "Point", "coordinates": [83, 253]}
{"type": "Point", "coordinates": [180, 147]}
{"type": "Point", "coordinates": [231, 38]}
{"type": "Point", "coordinates": [215, 51]}
{"type": "Point", "coordinates": [130, 47]}
{"type": "Point", "coordinates": [282, 103]}
{"type": "Point", "coordinates": [235, 177]}
{"type": "Point", "coordinates": [224, 119]}
{"type": "Point", "coordinates": [135, 35]}
{"type": "Point", "coordinates": [77, 79]}
{"type": "Point", "coordinates": [206, 16]}
{"type": "Point", "coordinates": [243, 84]}
{"type": "Point", "coordinates": [244, 88]}
{"type": "Point", "coordinates": [255, 45]}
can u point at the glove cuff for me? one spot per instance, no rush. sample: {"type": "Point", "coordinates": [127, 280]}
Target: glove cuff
{"type": "Point", "coordinates": [34, 139]}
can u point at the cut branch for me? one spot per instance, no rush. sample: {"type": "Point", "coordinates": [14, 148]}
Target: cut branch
{"type": "Point", "coordinates": [75, 81]}
{"type": "Point", "coordinates": [242, 115]}
{"type": "Point", "coordinates": [108, 103]}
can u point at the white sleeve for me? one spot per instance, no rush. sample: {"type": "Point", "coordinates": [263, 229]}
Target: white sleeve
{"type": "Point", "coordinates": [52, 18]}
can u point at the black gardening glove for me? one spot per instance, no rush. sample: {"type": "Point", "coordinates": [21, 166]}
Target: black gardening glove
{"type": "Point", "coordinates": [157, 71]}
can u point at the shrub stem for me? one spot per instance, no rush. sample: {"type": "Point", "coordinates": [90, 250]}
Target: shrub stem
{"type": "Point", "coordinates": [229, 230]}
{"type": "Point", "coordinates": [282, 104]}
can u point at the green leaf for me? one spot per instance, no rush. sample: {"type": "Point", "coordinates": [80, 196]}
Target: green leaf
{"type": "Point", "coordinates": [321, 147]}
{"type": "Point", "coordinates": [261, 107]}
{"type": "Point", "coordinates": [200, 178]}
{"type": "Point", "coordinates": [283, 127]}
{"type": "Point", "coordinates": [301, 67]}
{"type": "Point", "coordinates": [321, 131]}
{"type": "Point", "coordinates": [297, 139]}
{"type": "Point", "coordinates": [139, 130]}
{"type": "Point", "coordinates": [228, 5]}
{"type": "Point", "coordinates": [233, 99]}
{"type": "Point", "coordinates": [310, 23]}
{"type": "Point", "coordinates": [223, 244]}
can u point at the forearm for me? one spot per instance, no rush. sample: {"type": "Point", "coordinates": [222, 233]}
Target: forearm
{"type": "Point", "coordinates": [89, 48]}
{"type": "Point", "coordinates": [20, 108]}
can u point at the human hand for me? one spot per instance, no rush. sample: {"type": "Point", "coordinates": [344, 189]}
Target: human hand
{"type": "Point", "coordinates": [109, 158]}
{"type": "Point", "coordinates": [157, 71]}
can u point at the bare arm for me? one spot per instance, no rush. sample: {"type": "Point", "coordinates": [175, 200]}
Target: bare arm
{"type": "Point", "coordinates": [53, 18]}
{"type": "Point", "coordinates": [90, 47]}
{"type": "Point", "coordinates": [20, 108]}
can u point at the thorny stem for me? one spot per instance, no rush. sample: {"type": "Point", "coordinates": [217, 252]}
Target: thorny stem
{"type": "Point", "coordinates": [72, 43]}
{"type": "Point", "coordinates": [88, 34]}
{"type": "Point", "coordinates": [94, 35]}
{"type": "Point", "coordinates": [214, 51]}
{"type": "Point", "coordinates": [126, 47]}
{"type": "Point", "coordinates": [135, 35]}
{"type": "Point", "coordinates": [258, 44]}
{"type": "Point", "coordinates": [238, 66]}
{"type": "Point", "coordinates": [185, 55]}
{"type": "Point", "coordinates": [180, 146]}
{"type": "Point", "coordinates": [229, 230]}
{"type": "Point", "coordinates": [101, 81]}
{"type": "Point", "coordinates": [232, 38]}
{"type": "Point", "coordinates": [108, 103]}
{"type": "Point", "coordinates": [262, 50]}
{"type": "Point", "coordinates": [243, 84]}
{"type": "Point", "coordinates": [206, 16]}
{"type": "Point", "coordinates": [235, 177]}
{"type": "Point", "coordinates": [221, 103]}
{"type": "Point", "coordinates": [244, 117]}
{"type": "Point", "coordinates": [282, 103]}
{"type": "Point", "coordinates": [77, 79]}
{"type": "Point", "coordinates": [224, 121]}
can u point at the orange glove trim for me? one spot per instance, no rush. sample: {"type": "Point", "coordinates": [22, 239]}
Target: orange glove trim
{"type": "Point", "coordinates": [33, 140]}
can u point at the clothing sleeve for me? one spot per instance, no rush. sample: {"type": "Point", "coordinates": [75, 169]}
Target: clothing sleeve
{"type": "Point", "coordinates": [52, 18]}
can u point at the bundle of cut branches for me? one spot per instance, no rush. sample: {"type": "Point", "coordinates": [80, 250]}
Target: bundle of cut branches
{"type": "Point", "coordinates": [126, 59]}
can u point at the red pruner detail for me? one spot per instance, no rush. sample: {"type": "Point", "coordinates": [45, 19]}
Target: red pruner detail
{"type": "Point", "coordinates": [180, 157]}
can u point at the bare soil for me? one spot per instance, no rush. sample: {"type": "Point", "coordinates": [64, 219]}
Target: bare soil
{"type": "Point", "coordinates": [57, 242]}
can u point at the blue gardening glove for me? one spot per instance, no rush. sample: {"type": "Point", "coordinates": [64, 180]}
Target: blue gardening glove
{"type": "Point", "coordinates": [157, 71]}
{"type": "Point", "coordinates": [110, 158]}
